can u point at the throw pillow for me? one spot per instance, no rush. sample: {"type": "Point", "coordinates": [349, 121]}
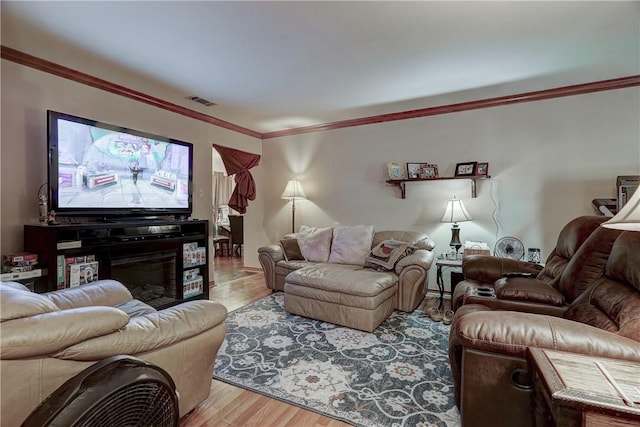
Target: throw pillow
{"type": "Point", "coordinates": [291, 250]}
{"type": "Point", "coordinates": [351, 244]}
{"type": "Point", "coordinates": [385, 255]}
{"type": "Point", "coordinates": [315, 243]}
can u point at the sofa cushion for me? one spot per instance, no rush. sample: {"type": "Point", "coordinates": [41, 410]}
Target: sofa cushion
{"type": "Point", "coordinates": [135, 308]}
{"type": "Point", "coordinates": [17, 303]}
{"type": "Point", "coordinates": [315, 243]}
{"type": "Point", "coordinates": [351, 244]}
{"type": "Point", "coordinates": [384, 256]}
{"type": "Point", "coordinates": [528, 290]}
{"type": "Point", "coordinates": [291, 249]}
{"type": "Point", "coordinates": [343, 279]}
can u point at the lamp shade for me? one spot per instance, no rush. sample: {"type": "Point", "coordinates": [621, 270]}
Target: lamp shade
{"type": "Point", "coordinates": [629, 216]}
{"type": "Point", "coordinates": [456, 212]}
{"type": "Point", "coordinates": [293, 191]}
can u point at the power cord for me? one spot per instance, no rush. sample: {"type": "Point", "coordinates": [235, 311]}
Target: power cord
{"type": "Point", "coordinates": [494, 215]}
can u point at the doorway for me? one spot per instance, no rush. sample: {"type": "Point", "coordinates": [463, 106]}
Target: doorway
{"type": "Point", "coordinates": [225, 267]}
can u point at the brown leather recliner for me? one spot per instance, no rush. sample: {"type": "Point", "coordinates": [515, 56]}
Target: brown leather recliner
{"type": "Point", "coordinates": [487, 348]}
{"type": "Point", "coordinates": [49, 338]}
{"type": "Point", "coordinates": [486, 272]}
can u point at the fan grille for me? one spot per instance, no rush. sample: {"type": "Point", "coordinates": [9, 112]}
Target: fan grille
{"type": "Point", "coordinates": [137, 405]}
{"type": "Point", "coordinates": [116, 392]}
{"type": "Point", "coordinates": [509, 247]}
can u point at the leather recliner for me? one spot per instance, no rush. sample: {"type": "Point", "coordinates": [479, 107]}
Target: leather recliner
{"type": "Point", "coordinates": [487, 348]}
{"type": "Point", "coordinates": [517, 293]}
{"type": "Point", "coordinates": [49, 338]}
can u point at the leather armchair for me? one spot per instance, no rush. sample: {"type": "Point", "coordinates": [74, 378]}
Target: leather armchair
{"type": "Point", "coordinates": [546, 291]}
{"type": "Point", "coordinates": [48, 338]}
{"type": "Point", "coordinates": [487, 348]}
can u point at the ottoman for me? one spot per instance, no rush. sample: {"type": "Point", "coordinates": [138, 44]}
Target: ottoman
{"type": "Point", "coordinates": [344, 294]}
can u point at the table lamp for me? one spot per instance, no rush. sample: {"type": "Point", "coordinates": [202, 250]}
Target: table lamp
{"type": "Point", "coordinates": [455, 213]}
{"type": "Point", "coordinates": [292, 192]}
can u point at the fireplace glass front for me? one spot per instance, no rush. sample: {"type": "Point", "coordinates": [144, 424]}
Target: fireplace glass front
{"type": "Point", "coordinates": [150, 277]}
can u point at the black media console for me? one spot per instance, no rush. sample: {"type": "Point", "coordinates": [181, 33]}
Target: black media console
{"type": "Point", "coordinates": [163, 263]}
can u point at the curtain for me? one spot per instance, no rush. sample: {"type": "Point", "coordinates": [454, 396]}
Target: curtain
{"type": "Point", "coordinates": [238, 163]}
{"type": "Point", "coordinates": [222, 190]}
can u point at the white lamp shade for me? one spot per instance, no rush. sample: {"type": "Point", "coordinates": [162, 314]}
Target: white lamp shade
{"type": "Point", "coordinates": [293, 191]}
{"type": "Point", "coordinates": [456, 212]}
{"type": "Point", "coordinates": [629, 216]}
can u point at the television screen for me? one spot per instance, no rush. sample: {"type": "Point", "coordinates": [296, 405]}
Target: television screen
{"type": "Point", "coordinates": [101, 169]}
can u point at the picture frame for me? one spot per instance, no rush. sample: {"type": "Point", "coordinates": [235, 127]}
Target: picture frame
{"type": "Point", "coordinates": [428, 171]}
{"type": "Point", "coordinates": [482, 169]}
{"type": "Point", "coordinates": [413, 170]}
{"type": "Point", "coordinates": [396, 170]}
{"type": "Point", "coordinates": [466, 169]}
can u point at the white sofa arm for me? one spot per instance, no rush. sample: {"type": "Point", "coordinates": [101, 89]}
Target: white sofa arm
{"type": "Point", "coordinates": [47, 333]}
{"type": "Point", "coordinates": [272, 251]}
{"type": "Point", "coordinates": [412, 273]}
{"type": "Point", "coordinates": [105, 292]}
{"type": "Point", "coordinates": [151, 331]}
{"type": "Point", "coordinates": [421, 257]}
{"type": "Point", "coordinates": [268, 257]}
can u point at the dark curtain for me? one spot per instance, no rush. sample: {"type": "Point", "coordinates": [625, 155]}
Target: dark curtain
{"type": "Point", "coordinates": [238, 163]}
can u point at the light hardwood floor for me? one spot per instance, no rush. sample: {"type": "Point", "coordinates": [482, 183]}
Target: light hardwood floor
{"type": "Point", "coordinates": [232, 406]}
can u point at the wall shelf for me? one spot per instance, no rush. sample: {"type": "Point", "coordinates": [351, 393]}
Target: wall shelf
{"type": "Point", "coordinates": [402, 182]}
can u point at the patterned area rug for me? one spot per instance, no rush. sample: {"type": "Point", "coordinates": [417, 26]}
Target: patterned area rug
{"type": "Point", "coordinates": [397, 376]}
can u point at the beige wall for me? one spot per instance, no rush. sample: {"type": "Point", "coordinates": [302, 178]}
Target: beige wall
{"type": "Point", "coordinates": [547, 160]}
{"type": "Point", "coordinates": [26, 96]}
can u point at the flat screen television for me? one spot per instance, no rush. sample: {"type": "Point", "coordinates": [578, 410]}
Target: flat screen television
{"type": "Point", "coordinates": [98, 169]}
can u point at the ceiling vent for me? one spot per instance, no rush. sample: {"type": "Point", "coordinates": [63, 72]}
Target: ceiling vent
{"type": "Point", "coordinates": [202, 101]}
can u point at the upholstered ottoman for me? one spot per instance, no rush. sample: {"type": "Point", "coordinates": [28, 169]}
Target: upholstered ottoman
{"type": "Point", "coordinates": [343, 294]}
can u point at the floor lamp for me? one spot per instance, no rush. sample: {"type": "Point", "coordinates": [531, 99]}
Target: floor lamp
{"type": "Point", "coordinates": [292, 192]}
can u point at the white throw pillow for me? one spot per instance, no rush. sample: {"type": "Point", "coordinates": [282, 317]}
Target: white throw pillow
{"type": "Point", "coordinates": [315, 243]}
{"type": "Point", "coordinates": [351, 244]}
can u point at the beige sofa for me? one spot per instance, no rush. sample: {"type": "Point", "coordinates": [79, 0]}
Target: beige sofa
{"type": "Point", "coordinates": [346, 293]}
{"type": "Point", "coordinates": [49, 338]}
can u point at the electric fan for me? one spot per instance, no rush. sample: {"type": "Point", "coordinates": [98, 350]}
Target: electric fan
{"type": "Point", "coordinates": [118, 391]}
{"type": "Point", "coordinates": [509, 247]}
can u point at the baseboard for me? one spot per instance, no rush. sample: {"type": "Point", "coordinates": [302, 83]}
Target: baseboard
{"type": "Point", "coordinates": [436, 294]}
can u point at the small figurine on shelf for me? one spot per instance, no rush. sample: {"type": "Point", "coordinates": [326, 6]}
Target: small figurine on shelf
{"type": "Point", "coordinates": [51, 218]}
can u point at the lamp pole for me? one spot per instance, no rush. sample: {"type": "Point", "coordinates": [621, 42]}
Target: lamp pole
{"type": "Point", "coordinates": [293, 215]}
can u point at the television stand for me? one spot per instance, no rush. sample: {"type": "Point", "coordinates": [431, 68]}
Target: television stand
{"type": "Point", "coordinates": [128, 219]}
{"type": "Point", "coordinates": [140, 253]}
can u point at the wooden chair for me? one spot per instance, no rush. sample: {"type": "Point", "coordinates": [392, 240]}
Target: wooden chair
{"type": "Point", "coordinates": [221, 246]}
{"type": "Point", "coordinates": [237, 234]}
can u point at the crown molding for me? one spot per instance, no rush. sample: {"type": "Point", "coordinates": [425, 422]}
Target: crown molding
{"type": "Point", "coordinates": [31, 61]}
{"type": "Point", "coordinates": [539, 95]}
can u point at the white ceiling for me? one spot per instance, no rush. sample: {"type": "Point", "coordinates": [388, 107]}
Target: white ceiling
{"type": "Point", "coordinates": [276, 65]}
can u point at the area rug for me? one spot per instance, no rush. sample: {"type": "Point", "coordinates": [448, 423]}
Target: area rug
{"type": "Point", "coordinates": [397, 376]}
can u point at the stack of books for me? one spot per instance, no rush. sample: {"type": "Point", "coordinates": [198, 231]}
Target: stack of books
{"type": "Point", "coordinates": [19, 263]}
{"type": "Point", "coordinates": [76, 271]}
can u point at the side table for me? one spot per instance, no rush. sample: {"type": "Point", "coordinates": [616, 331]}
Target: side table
{"type": "Point", "coordinates": [579, 390]}
{"type": "Point", "coordinates": [440, 264]}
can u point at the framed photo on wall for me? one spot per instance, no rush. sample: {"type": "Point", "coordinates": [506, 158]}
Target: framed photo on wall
{"type": "Point", "coordinates": [413, 170]}
{"type": "Point", "coordinates": [466, 169]}
{"type": "Point", "coordinates": [428, 171]}
{"type": "Point", "coordinates": [396, 170]}
{"type": "Point", "coordinates": [483, 169]}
